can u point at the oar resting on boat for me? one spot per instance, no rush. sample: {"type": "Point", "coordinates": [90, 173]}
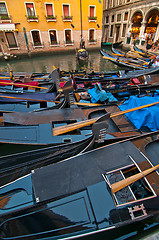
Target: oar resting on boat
{"type": "Point", "coordinates": [115, 187]}
{"type": "Point", "coordinates": [64, 129]}
{"type": "Point", "coordinates": [124, 62]}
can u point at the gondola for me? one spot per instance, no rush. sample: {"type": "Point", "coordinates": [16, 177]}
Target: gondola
{"type": "Point", "coordinates": [22, 138]}
{"type": "Point", "coordinates": [129, 54]}
{"type": "Point", "coordinates": [143, 52]}
{"type": "Point", "coordinates": [68, 131]}
{"type": "Point", "coordinates": [109, 44]}
{"type": "Point", "coordinates": [48, 116]}
{"type": "Point", "coordinates": [64, 73]}
{"type": "Point", "coordinates": [119, 76]}
{"type": "Point", "coordinates": [25, 77]}
{"type": "Point", "coordinates": [17, 165]}
{"type": "Point", "coordinates": [45, 133]}
{"type": "Point", "coordinates": [31, 105]}
{"type": "Point", "coordinates": [40, 83]}
{"type": "Point", "coordinates": [115, 95]}
{"type": "Point", "coordinates": [26, 102]}
{"type": "Point", "coordinates": [48, 84]}
{"type": "Point", "coordinates": [82, 54]}
{"type": "Point", "coordinates": [124, 62]}
{"type": "Point", "coordinates": [138, 87]}
{"type": "Point", "coordinates": [17, 102]}
{"type": "Point", "coordinates": [109, 192]}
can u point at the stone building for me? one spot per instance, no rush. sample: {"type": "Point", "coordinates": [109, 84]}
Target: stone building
{"type": "Point", "coordinates": [129, 20]}
{"type": "Point", "coordinates": [45, 26]}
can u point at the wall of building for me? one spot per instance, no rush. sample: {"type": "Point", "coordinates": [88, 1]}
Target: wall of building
{"type": "Point", "coordinates": [18, 14]}
{"type": "Point", "coordinates": [135, 17]}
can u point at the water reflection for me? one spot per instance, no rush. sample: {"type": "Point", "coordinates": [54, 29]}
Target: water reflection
{"type": "Point", "coordinates": [65, 62]}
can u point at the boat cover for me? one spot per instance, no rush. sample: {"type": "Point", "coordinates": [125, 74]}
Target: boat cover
{"type": "Point", "coordinates": [83, 170]}
{"type": "Point", "coordinates": [146, 117]}
{"type": "Point", "coordinates": [100, 95]}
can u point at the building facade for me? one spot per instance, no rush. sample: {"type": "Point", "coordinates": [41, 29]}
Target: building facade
{"type": "Point", "coordinates": [129, 20]}
{"type": "Point", "coordinates": [44, 26]}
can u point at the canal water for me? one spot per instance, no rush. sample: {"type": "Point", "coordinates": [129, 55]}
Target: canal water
{"type": "Point", "coordinates": [65, 62]}
{"type": "Point", "coordinates": [68, 62]}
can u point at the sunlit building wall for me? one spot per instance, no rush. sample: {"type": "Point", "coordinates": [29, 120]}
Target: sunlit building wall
{"type": "Point", "coordinates": [41, 26]}
{"type": "Point", "coordinates": [135, 16]}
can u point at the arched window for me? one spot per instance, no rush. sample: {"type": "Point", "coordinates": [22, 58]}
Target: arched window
{"type": "Point", "coordinates": [136, 26]}
{"type": "Point", "coordinates": [151, 22]}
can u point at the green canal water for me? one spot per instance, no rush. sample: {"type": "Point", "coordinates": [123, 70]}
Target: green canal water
{"type": "Point", "coordinates": [65, 62]}
{"type": "Point", "coordinates": [68, 62]}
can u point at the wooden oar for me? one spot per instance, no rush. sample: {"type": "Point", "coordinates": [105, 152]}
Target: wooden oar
{"type": "Point", "coordinates": [88, 104]}
{"type": "Point", "coordinates": [123, 55]}
{"type": "Point", "coordinates": [147, 53]}
{"type": "Point", "coordinates": [132, 64]}
{"type": "Point", "coordinates": [28, 99]}
{"type": "Point", "coordinates": [40, 100]}
{"type": "Point", "coordinates": [35, 78]}
{"type": "Point", "coordinates": [23, 85]}
{"type": "Point", "coordinates": [125, 182]}
{"type": "Point", "coordinates": [133, 109]}
{"type": "Point", "coordinates": [70, 127]}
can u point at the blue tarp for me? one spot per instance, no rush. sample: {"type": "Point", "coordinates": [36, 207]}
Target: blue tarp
{"type": "Point", "coordinates": [148, 117]}
{"type": "Point", "coordinates": [100, 95]}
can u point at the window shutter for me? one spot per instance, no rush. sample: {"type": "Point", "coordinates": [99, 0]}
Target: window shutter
{"type": "Point", "coordinates": [49, 10]}
{"type": "Point", "coordinates": [91, 11]}
{"type": "Point", "coordinates": [29, 5]}
{"type": "Point", "coordinates": [65, 10]}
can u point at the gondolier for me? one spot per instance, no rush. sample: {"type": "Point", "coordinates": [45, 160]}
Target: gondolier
{"type": "Point", "coordinates": [82, 42]}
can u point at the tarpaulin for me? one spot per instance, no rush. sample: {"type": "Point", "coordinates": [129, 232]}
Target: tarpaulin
{"type": "Point", "coordinates": [148, 117]}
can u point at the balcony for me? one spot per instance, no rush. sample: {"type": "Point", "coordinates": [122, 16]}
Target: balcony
{"type": "Point", "coordinates": [67, 18]}
{"type": "Point", "coordinates": [32, 18]}
{"type": "Point", "coordinates": [51, 18]}
{"type": "Point", "coordinates": [5, 19]}
{"type": "Point", "coordinates": [92, 19]}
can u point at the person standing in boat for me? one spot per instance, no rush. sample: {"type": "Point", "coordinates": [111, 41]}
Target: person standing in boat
{"type": "Point", "coordinates": [82, 42]}
{"type": "Point", "coordinates": [129, 37]}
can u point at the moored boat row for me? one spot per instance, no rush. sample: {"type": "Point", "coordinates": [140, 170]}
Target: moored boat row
{"type": "Point", "coordinates": [84, 164]}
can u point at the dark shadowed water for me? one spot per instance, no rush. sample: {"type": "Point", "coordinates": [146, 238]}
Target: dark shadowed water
{"type": "Point", "coordinates": [68, 62]}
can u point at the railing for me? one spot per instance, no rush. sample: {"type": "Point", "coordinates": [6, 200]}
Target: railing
{"type": "Point", "coordinates": [5, 17]}
{"type": "Point", "coordinates": [92, 19]}
{"type": "Point", "coordinates": [32, 18]}
{"type": "Point", "coordinates": [67, 18]}
{"type": "Point", "coordinates": [51, 18]}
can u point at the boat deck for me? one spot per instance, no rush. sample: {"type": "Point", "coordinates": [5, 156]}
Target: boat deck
{"type": "Point", "coordinates": [75, 175]}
